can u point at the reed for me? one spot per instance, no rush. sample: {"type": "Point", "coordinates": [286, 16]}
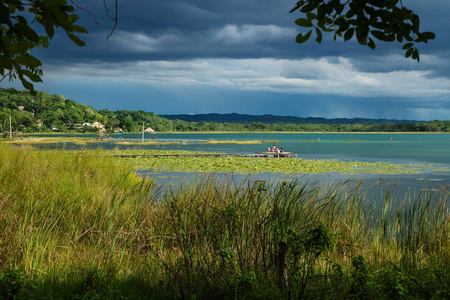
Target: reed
{"type": "Point", "coordinates": [78, 225]}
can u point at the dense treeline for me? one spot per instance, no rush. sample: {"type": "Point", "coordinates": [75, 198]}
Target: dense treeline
{"type": "Point", "coordinates": [53, 112]}
{"type": "Point", "coordinates": [46, 112]}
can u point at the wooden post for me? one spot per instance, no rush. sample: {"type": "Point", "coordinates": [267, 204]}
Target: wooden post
{"type": "Point", "coordinates": [10, 128]}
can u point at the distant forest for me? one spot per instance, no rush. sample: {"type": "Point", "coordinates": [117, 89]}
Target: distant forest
{"type": "Point", "coordinates": [47, 113]}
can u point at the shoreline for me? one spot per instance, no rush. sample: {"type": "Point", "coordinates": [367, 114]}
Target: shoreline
{"type": "Point", "coordinates": [234, 132]}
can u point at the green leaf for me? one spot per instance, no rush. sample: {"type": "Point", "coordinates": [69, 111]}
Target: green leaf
{"type": "Point", "coordinates": [26, 84]}
{"type": "Point", "coordinates": [22, 29]}
{"type": "Point", "coordinates": [409, 52]}
{"type": "Point", "coordinates": [28, 61]}
{"type": "Point", "coordinates": [362, 39]}
{"type": "Point", "coordinates": [319, 35]}
{"type": "Point", "coordinates": [390, 37]}
{"type": "Point", "coordinates": [338, 7]}
{"type": "Point", "coordinates": [415, 55]}
{"type": "Point", "coordinates": [79, 29]}
{"type": "Point", "coordinates": [76, 39]}
{"type": "Point", "coordinates": [349, 34]}
{"type": "Point", "coordinates": [2, 62]}
{"type": "Point", "coordinates": [73, 18]}
{"type": "Point", "coordinates": [61, 19]}
{"type": "Point", "coordinates": [33, 77]}
{"type": "Point", "coordinates": [303, 23]}
{"type": "Point", "coordinates": [20, 47]}
{"type": "Point", "coordinates": [407, 46]}
{"type": "Point", "coordinates": [379, 35]}
{"type": "Point", "coordinates": [297, 6]}
{"type": "Point", "coordinates": [308, 7]}
{"type": "Point", "coordinates": [49, 27]}
{"type": "Point", "coordinates": [311, 16]}
{"type": "Point", "coordinates": [339, 20]}
{"type": "Point", "coordinates": [428, 35]}
{"type": "Point", "coordinates": [303, 38]}
{"type": "Point", "coordinates": [416, 23]}
{"type": "Point", "coordinates": [344, 26]}
{"type": "Point", "coordinates": [371, 44]}
{"type": "Point", "coordinates": [350, 14]}
{"type": "Point", "coordinates": [321, 11]}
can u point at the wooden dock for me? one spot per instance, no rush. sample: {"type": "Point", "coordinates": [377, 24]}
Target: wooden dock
{"type": "Point", "coordinates": [275, 154]}
{"type": "Point", "coordinates": [256, 154]}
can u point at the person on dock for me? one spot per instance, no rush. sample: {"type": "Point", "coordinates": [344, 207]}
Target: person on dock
{"type": "Point", "coordinates": [269, 149]}
{"type": "Point", "coordinates": [281, 150]}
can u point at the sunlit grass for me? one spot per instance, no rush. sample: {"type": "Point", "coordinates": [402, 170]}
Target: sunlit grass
{"type": "Point", "coordinates": [84, 226]}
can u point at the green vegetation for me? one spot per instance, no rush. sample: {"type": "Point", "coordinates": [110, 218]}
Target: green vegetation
{"type": "Point", "coordinates": [17, 37]}
{"type": "Point", "coordinates": [247, 165]}
{"type": "Point", "coordinates": [366, 20]}
{"type": "Point", "coordinates": [47, 113]}
{"type": "Point", "coordinates": [74, 225]}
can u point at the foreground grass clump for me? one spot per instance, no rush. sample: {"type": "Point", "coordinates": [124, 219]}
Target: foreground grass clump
{"type": "Point", "coordinates": [74, 225]}
{"type": "Point", "coordinates": [57, 209]}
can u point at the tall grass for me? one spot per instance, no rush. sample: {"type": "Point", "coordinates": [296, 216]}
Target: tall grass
{"type": "Point", "coordinates": [76, 225]}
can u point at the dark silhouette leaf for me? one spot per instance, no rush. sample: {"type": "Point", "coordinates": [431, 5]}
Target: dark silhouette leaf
{"type": "Point", "coordinates": [349, 34]}
{"type": "Point", "coordinates": [303, 38]}
{"type": "Point", "coordinates": [407, 46]}
{"type": "Point", "coordinates": [319, 35]}
{"type": "Point", "coordinates": [303, 23]}
{"type": "Point", "coordinates": [76, 39]}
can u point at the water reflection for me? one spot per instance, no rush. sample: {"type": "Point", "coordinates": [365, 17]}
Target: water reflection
{"type": "Point", "coordinates": [375, 187]}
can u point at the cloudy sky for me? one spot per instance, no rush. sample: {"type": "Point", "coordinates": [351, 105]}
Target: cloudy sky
{"type": "Point", "coordinates": [203, 56]}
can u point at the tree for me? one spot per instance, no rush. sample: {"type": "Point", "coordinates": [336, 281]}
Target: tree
{"type": "Point", "coordinates": [17, 37]}
{"type": "Point", "coordinates": [383, 20]}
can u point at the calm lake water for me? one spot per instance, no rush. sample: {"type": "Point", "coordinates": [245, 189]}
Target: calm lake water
{"type": "Point", "coordinates": [389, 147]}
{"type": "Point", "coordinates": [401, 148]}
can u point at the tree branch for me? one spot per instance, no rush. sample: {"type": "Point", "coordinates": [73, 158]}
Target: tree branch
{"type": "Point", "coordinates": [82, 7]}
{"type": "Point", "coordinates": [115, 18]}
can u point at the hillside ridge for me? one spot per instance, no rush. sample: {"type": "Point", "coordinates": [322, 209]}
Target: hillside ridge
{"type": "Point", "coordinates": [275, 119]}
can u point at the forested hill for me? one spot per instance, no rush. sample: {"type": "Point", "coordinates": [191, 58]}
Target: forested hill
{"type": "Point", "coordinates": [55, 113]}
{"type": "Point", "coordinates": [45, 113]}
{"type": "Point", "coordinates": [271, 119]}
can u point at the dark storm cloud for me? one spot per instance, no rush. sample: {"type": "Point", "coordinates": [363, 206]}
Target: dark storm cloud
{"type": "Point", "coordinates": [232, 29]}
{"type": "Point", "coordinates": [190, 29]}
{"type": "Point", "coordinates": [231, 55]}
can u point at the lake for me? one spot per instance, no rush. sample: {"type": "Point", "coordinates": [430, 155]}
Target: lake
{"type": "Point", "coordinates": [372, 147]}
{"type": "Point", "coordinates": [395, 147]}
{"type": "Point", "coordinates": [392, 147]}
{"type": "Point", "coordinates": [413, 148]}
